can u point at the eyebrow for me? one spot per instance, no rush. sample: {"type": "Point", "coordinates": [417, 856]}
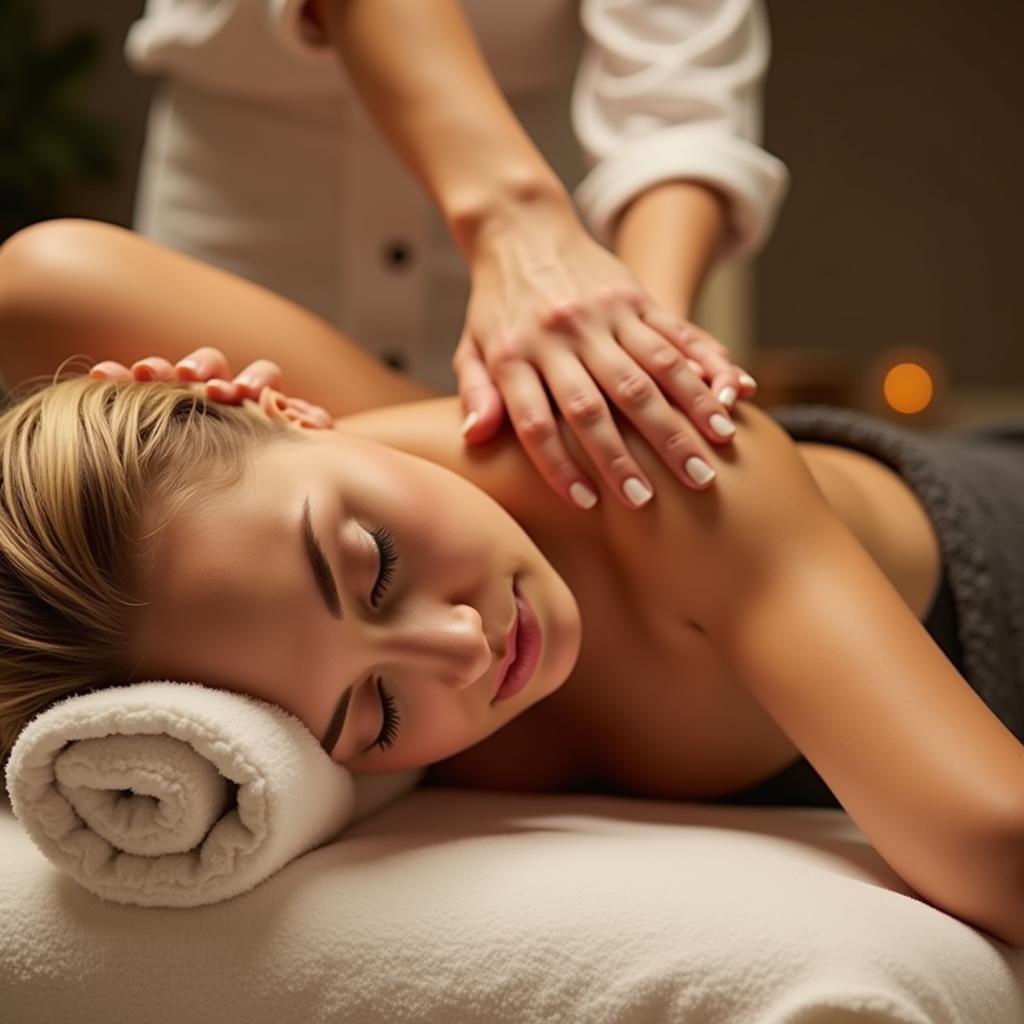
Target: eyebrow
{"type": "Point", "coordinates": [328, 588]}
{"type": "Point", "coordinates": [330, 740]}
{"type": "Point", "coordinates": [321, 567]}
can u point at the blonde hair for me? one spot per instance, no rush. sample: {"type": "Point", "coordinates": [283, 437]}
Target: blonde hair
{"type": "Point", "coordinates": [81, 462]}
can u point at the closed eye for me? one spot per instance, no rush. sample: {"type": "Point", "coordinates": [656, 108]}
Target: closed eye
{"type": "Point", "coordinates": [388, 555]}
{"type": "Point", "coordinates": [389, 719]}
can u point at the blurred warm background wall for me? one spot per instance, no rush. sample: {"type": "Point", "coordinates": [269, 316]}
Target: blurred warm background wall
{"type": "Point", "coordinates": [900, 123]}
{"type": "Point", "coordinates": [900, 238]}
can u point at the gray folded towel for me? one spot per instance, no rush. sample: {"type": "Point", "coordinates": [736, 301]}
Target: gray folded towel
{"type": "Point", "coordinates": [971, 482]}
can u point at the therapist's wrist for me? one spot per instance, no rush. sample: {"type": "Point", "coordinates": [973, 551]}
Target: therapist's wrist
{"type": "Point", "coordinates": [521, 202]}
{"type": "Point", "coordinates": [669, 236]}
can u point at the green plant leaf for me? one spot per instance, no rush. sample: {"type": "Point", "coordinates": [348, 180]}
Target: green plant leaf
{"type": "Point", "coordinates": [46, 141]}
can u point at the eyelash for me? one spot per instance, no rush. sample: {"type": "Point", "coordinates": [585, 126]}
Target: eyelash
{"type": "Point", "coordinates": [388, 560]}
{"type": "Point", "coordinates": [389, 728]}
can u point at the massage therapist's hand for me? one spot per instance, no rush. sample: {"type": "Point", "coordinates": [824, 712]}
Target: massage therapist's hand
{"type": "Point", "coordinates": [552, 309]}
{"type": "Point", "coordinates": [209, 366]}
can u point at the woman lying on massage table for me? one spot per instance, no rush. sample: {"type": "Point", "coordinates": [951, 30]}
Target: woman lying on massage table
{"type": "Point", "coordinates": [416, 602]}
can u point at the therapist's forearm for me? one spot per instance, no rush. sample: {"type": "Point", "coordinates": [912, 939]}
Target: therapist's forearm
{"type": "Point", "coordinates": [419, 71]}
{"type": "Point", "coordinates": [668, 237]}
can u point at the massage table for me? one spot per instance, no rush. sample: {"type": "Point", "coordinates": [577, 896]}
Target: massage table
{"type": "Point", "coordinates": [451, 906]}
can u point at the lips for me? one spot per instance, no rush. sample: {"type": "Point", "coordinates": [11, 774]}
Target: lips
{"type": "Point", "coordinates": [522, 657]}
{"type": "Point", "coordinates": [510, 648]}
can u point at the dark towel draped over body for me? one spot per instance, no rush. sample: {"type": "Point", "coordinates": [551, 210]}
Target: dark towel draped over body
{"type": "Point", "coordinates": [971, 483]}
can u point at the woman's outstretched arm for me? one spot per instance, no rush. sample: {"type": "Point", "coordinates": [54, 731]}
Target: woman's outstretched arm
{"type": "Point", "coordinates": [828, 647]}
{"type": "Point", "coordinates": [76, 287]}
{"type": "Point", "coordinates": [823, 640]}
{"type": "Point", "coordinates": [807, 621]}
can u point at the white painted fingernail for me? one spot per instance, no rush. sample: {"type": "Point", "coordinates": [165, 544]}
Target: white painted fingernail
{"type": "Point", "coordinates": [582, 495]}
{"type": "Point", "coordinates": [467, 423]}
{"type": "Point", "coordinates": [727, 396]}
{"type": "Point", "coordinates": [637, 491]}
{"type": "Point", "coordinates": [722, 425]}
{"type": "Point", "coordinates": [747, 381]}
{"type": "Point", "coordinates": [699, 470]}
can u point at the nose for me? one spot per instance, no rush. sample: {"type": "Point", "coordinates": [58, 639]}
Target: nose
{"type": "Point", "coordinates": [443, 642]}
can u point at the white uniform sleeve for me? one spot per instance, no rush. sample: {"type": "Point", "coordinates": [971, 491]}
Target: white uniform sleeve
{"type": "Point", "coordinates": [669, 90]}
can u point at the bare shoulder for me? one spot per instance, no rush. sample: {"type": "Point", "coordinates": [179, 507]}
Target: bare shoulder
{"type": "Point", "coordinates": [500, 467]}
{"type": "Point", "coordinates": [763, 494]}
{"type": "Point", "coordinates": [763, 497]}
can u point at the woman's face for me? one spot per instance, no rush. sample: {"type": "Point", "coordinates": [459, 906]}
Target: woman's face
{"type": "Point", "coordinates": [240, 599]}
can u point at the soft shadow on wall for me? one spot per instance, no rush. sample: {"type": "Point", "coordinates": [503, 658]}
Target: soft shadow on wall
{"type": "Point", "coordinates": [900, 239]}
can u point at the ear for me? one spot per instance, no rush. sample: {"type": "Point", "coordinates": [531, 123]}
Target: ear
{"type": "Point", "coordinates": [278, 407]}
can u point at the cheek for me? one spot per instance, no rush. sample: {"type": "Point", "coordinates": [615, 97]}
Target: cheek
{"type": "Point", "coordinates": [444, 535]}
{"type": "Point", "coordinates": [443, 724]}
{"type": "Point", "coordinates": [435, 725]}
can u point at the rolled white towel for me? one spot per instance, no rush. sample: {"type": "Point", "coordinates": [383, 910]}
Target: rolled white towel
{"type": "Point", "coordinates": [168, 794]}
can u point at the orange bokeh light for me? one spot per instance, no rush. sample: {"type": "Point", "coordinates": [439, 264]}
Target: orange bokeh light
{"type": "Point", "coordinates": [908, 388]}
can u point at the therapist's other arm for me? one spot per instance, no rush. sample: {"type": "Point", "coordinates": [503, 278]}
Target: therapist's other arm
{"type": "Point", "coordinates": [667, 107]}
{"type": "Point", "coordinates": [668, 236]}
{"type": "Point", "coordinates": [548, 306]}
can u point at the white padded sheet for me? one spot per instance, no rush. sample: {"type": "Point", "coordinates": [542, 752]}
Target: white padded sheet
{"type": "Point", "coordinates": [475, 907]}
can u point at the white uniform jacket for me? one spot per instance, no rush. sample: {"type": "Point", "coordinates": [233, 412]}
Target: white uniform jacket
{"type": "Point", "coordinates": [259, 157]}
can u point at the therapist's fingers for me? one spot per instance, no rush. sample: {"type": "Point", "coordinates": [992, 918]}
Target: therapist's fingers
{"type": "Point", "coordinates": [642, 398]}
{"type": "Point", "coordinates": [153, 368]}
{"type": "Point", "coordinates": [109, 369]}
{"type": "Point", "coordinates": [697, 369]}
{"type": "Point", "coordinates": [725, 381]}
{"type": "Point", "coordinates": [259, 374]}
{"type": "Point", "coordinates": [607, 370]}
{"type": "Point", "coordinates": [530, 411]}
{"type": "Point", "coordinates": [203, 363]}
{"type": "Point", "coordinates": [198, 370]}
{"type": "Point", "coordinates": [747, 383]}
{"type": "Point", "coordinates": [482, 404]}
{"type": "Point", "coordinates": [211, 365]}
{"type": "Point", "coordinates": [700, 348]}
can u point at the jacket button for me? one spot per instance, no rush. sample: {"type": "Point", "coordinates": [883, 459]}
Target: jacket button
{"type": "Point", "coordinates": [398, 254]}
{"type": "Point", "coordinates": [395, 360]}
